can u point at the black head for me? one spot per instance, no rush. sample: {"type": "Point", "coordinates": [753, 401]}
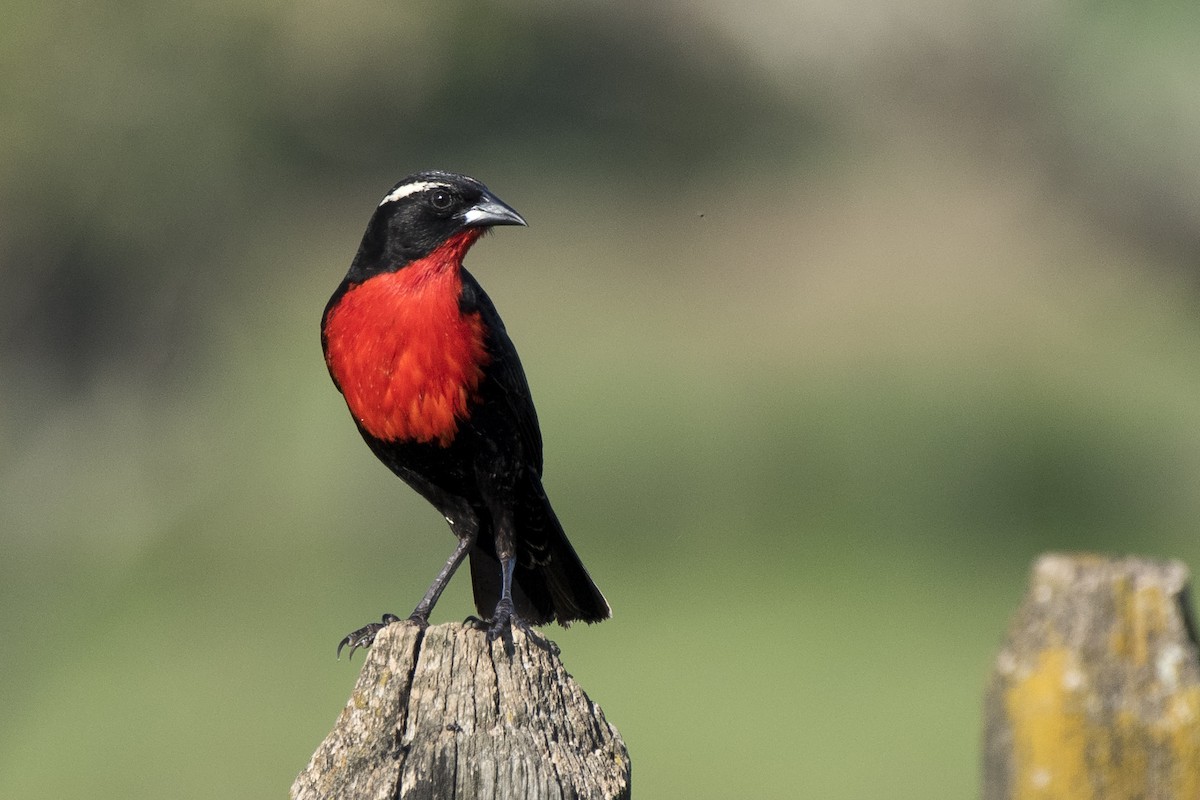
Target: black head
{"type": "Point", "coordinates": [421, 212]}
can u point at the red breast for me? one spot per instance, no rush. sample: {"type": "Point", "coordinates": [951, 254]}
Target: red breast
{"type": "Point", "coordinates": [407, 360]}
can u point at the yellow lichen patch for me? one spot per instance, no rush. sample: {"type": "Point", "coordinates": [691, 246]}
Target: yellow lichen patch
{"type": "Point", "coordinates": [1069, 744]}
{"type": "Point", "coordinates": [1050, 737]}
{"type": "Point", "coordinates": [1142, 617]}
{"type": "Point", "coordinates": [1121, 639]}
{"type": "Point", "coordinates": [1099, 690]}
{"type": "Point", "coordinates": [1181, 730]}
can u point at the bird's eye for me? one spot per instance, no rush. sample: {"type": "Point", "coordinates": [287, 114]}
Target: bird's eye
{"type": "Point", "coordinates": [441, 199]}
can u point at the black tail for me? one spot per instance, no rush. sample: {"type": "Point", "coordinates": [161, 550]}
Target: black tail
{"type": "Point", "coordinates": [550, 583]}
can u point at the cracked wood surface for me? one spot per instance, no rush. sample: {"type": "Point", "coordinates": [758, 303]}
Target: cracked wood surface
{"type": "Point", "coordinates": [1096, 693]}
{"type": "Point", "coordinates": [445, 714]}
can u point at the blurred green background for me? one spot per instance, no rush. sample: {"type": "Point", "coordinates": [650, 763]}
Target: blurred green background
{"type": "Point", "coordinates": [835, 316]}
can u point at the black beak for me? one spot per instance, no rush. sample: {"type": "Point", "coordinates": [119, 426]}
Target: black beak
{"type": "Point", "coordinates": [490, 210]}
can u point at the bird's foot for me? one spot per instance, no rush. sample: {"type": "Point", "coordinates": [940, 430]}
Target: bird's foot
{"type": "Point", "coordinates": [364, 637]}
{"type": "Point", "coordinates": [504, 619]}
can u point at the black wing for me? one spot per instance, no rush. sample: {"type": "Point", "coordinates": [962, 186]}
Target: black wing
{"type": "Point", "coordinates": [505, 376]}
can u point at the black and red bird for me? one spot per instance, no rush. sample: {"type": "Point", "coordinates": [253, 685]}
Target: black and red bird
{"type": "Point", "coordinates": [437, 390]}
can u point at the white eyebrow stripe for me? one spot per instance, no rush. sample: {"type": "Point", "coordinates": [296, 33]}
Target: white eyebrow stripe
{"type": "Point", "coordinates": [404, 190]}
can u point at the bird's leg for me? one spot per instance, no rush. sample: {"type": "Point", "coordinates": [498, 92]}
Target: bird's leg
{"type": "Point", "coordinates": [365, 636]}
{"type": "Point", "coordinates": [420, 614]}
{"type": "Point", "coordinates": [505, 614]}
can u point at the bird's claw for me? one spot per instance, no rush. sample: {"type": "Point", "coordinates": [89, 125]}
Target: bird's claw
{"type": "Point", "coordinates": [505, 620]}
{"type": "Point", "coordinates": [365, 636]}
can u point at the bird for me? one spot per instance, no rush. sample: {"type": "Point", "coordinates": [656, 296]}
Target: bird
{"type": "Point", "coordinates": [434, 385]}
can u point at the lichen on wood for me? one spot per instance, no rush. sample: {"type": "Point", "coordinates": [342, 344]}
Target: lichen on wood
{"type": "Point", "coordinates": [1096, 692]}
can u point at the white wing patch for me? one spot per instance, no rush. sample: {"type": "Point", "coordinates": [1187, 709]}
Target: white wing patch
{"type": "Point", "coordinates": [405, 189]}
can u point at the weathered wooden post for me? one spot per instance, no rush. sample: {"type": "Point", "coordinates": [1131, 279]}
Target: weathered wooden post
{"type": "Point", "coordinates": [443, 713]}
{"type": "Point", "coordinates": [1096, 693]}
